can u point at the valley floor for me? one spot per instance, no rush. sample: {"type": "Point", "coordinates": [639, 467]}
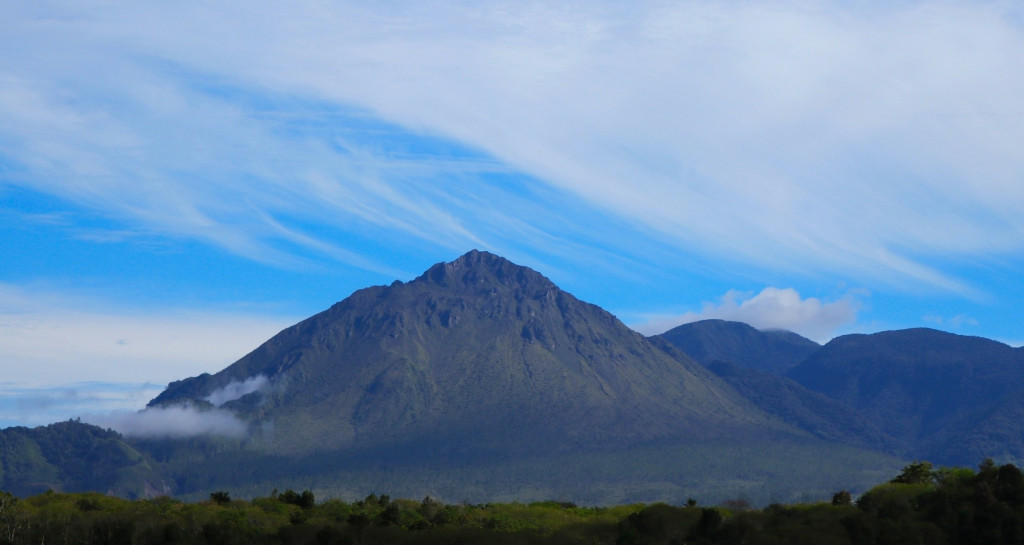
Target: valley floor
{"type": "Point", "coordinates": [920, 505]}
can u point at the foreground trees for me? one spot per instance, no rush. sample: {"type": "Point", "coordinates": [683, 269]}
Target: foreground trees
{"type": "Point", "coordinates": [921, 505]}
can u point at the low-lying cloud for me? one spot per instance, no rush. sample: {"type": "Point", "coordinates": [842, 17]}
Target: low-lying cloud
{"type": "Point", "coordinates": [26, 405]}
{"type": "Point", "coordinates": [772, 308]}
{"type": "Point", "coordinates": [171, 422]}
{"type": "Point", "coordinates": [185, 420]}
{"type": "Point", "coordinates": [237, 389]}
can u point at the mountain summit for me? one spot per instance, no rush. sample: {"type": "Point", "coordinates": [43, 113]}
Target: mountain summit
{"type": "Point", "coordinates": [480, 353]}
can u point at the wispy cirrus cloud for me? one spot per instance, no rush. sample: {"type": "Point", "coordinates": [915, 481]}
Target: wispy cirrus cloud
{"type": "Point", "coordinates": [810, 137]}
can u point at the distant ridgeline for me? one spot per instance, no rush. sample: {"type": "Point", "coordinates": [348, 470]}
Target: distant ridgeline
{"type": "Point", "coordinates": [481, 380]}
{"type": "Point", "coordinates": [919, 505]}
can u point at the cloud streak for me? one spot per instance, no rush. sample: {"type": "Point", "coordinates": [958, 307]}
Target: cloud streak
{"type": "Point", "coordinates": [810, 137]}
{"type": "Point", "coordinates": [238, 388]}
{"type": "Point", "coordinates": [174, 422]}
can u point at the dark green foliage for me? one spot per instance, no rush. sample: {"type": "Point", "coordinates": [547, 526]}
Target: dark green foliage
{"type": "Point", "coordinates": [916, 473]}
{"type": "Point", "coordinates": [843, 497]}
{"type": "Point", "coordinates": [957, 506]}
{"type": "Point", "coordinates": [658, 523]}
{"type": "Point", "coordinates": [305, 500]}
{"type": "Point", "coordinates": [708, 525]}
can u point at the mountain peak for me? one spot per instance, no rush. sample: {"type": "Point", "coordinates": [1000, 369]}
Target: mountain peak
{"type": "Point", "coordinates": [736, 342]}
{"type": "Point", "coordinates": [477, 352]}
{"type": "Point", "coordinates": [483, 271]}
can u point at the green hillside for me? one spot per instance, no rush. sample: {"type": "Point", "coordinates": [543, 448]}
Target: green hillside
{"type": "Point", "coordinates": [74, 456]}
{"type": "Point", "coordinates": [943, 397]}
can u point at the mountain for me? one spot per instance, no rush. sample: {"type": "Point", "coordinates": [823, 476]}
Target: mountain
{"type": "Point", "coordinates": [753, 362]}
{"type": "Point", "coordinates": [482, 379]}
{"type": "Point", "coordinates": [947, 398]}
{"type": "Point", "coordinates": [477, 352]}
{"type": "Point", "coordinates": [72, 456]}
{"type": "Point", "coordinates": [708, 341]}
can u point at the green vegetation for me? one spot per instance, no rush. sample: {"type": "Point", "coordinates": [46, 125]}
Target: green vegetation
{"type": "Point", "coordinates": [73, 456]}
{"type": "Point", "coordinates": [795, 470]}
{"type": "Point", "coordinates": [920, 505]}
{"type": "Point", "coordinates": [939, 396]}
{"type": "Point", "coordinates": [77, 457]}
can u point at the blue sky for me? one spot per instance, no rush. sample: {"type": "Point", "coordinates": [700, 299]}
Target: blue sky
{"type": "Point", "coordinates": [180, 181]}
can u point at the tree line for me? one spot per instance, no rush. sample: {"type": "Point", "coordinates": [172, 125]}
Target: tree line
{"type": "Point", "coordinates": [920, 505]}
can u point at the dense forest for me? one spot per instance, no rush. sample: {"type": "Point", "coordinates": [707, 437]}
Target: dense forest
{"type": "Point", "coordinates": [920, 505]}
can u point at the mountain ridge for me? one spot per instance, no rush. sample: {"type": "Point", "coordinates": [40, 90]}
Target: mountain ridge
{"type": "Point", "coordinates": [943, 396]}
{"type": "Point", "coordinates": [773, 350]}
{"type": "Point", "coordinates": [482, 379]}
{"type": "Point", "coordinates": [493, 346]}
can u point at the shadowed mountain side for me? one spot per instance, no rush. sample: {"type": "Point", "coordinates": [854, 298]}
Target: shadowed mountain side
{"type": "Point", "coordinates": [762, 470]}
{"type": "Point", "coordinates": [478, 353]}
{"type": "Point", "coordinates": [944, 397]}
{"type": "Point", "coordinates": [811, 411]}
{"type": "Point", "coordinates": [719, 340]}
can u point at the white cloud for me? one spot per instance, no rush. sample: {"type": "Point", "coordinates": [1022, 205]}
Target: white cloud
{"type": "Point", "coordinates": [67, 355]}
{"type": "Point", "coordinates": [52, 337]}
{"type": "Point", "coordinates": [175, 422]}
{"type": "Point", "coordinates": [25, 405]}
{"type": "Point", "coordinates": [772, 308]}
{"type": "Point", "coordinates": [846, 138]}
{"type": "Point", "coordinates": [236, 389]}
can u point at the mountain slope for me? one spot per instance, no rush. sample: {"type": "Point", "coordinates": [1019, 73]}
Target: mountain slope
{"type": "Point", "coordinates": [719, 340]}
{"type": "Point", "coordinates": [482, 379]}
{"type": "Point", "coordinates": [949, 398]}
{"type": "Point", "coordinates": [811, 411]}
{"type": "Point", "coordinates": [479, 353]}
